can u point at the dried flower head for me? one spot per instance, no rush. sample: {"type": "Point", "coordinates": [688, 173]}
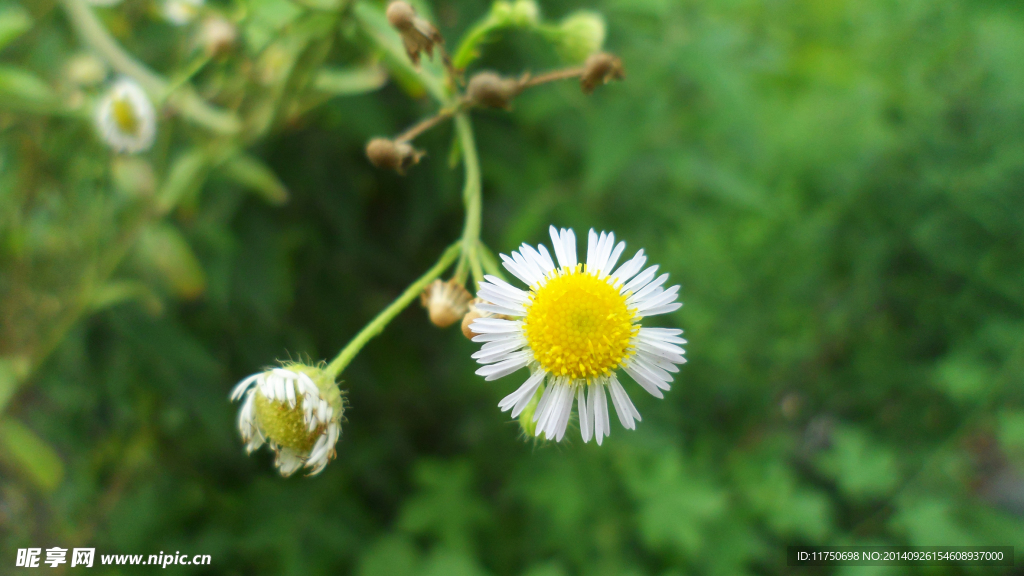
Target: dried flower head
{"type": "Point", "coordinates": [472, 313]}
{"type": "Point", "coordinates": [418, 35]}
{"type": "Point", "coordinates": [600, 68]}
{"type": "Point", "coordinates": [492, 91]}
{"type": "Point", "coordinates": [217, 35]}
{"type": "Point", "coordinates": [446, 302]}
{"type": "Point", "coordinates": [125, 117]}
{"type": "Point", "coordinates": [296, 410]}
{"type": "Point", "coordinates": [392, 155]}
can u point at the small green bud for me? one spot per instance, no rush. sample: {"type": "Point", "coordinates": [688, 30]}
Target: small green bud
{"type": "Point", "coordinates": [582, 34]}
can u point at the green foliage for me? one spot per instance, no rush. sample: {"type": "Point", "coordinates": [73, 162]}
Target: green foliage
{"type": "Point", "coordinates": [836, 185]}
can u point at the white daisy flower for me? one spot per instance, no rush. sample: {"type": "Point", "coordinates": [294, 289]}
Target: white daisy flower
{"type": "Point", "coordinates": [125, 117]}
{"type": "Point", "coordinates": [296, 410]}
{"type": "Point", "coordinates": [573, 329]}
{"type": "Point", "coordinates": [181, 12]}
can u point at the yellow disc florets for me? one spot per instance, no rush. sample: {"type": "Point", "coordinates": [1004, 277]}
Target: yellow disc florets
{"type": "Point", "coordinates": [578, 325]}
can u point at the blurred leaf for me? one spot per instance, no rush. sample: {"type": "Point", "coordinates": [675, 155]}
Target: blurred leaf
{"type": "Point", "coordinates": [351, 81]}
{"type": "Point", "coordinates": [164, 252]}
{"type": "Point", "coordinates": [442, 562]}
{"type": "Point", "coordinates": [29, 454]}
{"type": "Point", "coordinates": [184, 178]}
{"type": "Point", "coordinates": [861, 467]}
{"type": "Point", "coordinates": [446, 504]}
{"type": "Point", "coordinates": [517, 14]}
{"type": "Point", "coordinates": [790, 510]}
{"type": "Point", "coordinates": [14, 21]}
{"type": "Point", "coordinates": [23, 91]}
{"type": "Point", "coordinates": [393, 555]}
{"type": "Point", "coordinates": [117, 292]}
{"type": "Point", "coordinates": [252, 173]}
{"type": "Point", "coordinates": [12, 372]}
{"type": "Point", "coordinates": [675, 504]}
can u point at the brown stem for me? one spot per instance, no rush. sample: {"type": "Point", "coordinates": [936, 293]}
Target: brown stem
{"type": "Point", "coordinates": [553, 76]}
{"type": "Point", "coordinates": [424, 125]}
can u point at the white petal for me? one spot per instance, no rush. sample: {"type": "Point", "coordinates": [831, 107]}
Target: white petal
{"type": "Point", "coordinates": [563, 418]}
{"type": "Point", "coordinates": [509, 290]}
{"type": "Point", "coordinates": [521, 397]}
{"type": "Point", "coordinates": [663, 309]}
{"type": "Point", "coordinates": [641, 280]}
{"type": "Point", "coordinates": [602, 426]}
{"type": "Point", "coordinates": [613, 258]}
{"type": "Point", "coordinates": [648, 290]}
{"type": "Point", "coordinates": [623, 405]}
{"type": "Point", "coordinates": [569, 245]}
{"type": "Point", "coordinates": [497, 309]}
{"type": "Point", "coordinates": [586, 417]}
{"type": "Point", "coordinates": [556, 243]}
{"type": "Point", "coordinates": [495, 326]}
{"type": "Point", "coordinates": [630, 268]}
{"type": "Point", "coordinates": [505, 367]}
{"type": "Point", "coordinates": [242, 386]}
{"type": "Point", "coordinates": [646, 382]}
{"type": "Point", "coordinates": [591, 250]}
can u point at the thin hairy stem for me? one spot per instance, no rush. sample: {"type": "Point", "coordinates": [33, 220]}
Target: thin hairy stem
{"type": "Point", "coordinates": [553, 76]}
{"type": "Point", "coordinates": [377, 325]}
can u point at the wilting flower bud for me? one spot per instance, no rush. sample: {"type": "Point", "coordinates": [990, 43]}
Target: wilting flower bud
{"type": "Point", "coordinates": [217, 35]}
{"type": "Point", "coordinates": [296, 410]}
{"type": "Point", "coordinates": [492, 91]}
{"type": "Point", "coordinates": [582, 34]}
{"type": "Point", "coordinates": [391, 155]}
{"type": "Point", "coordinates": [418, 35]}
{"type": "Point", "coordinates": [445, 302]}
{"type": "Point", "coordinates": [600, 68]}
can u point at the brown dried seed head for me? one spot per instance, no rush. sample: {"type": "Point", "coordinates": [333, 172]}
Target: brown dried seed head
{"type": "Point", "coordinates": [391, 155]}
{"type": "Point", "coordinates": [600, 68]}
{"type": "Point", "coordinates": [401, 14]}
{"type": "Point", "coordinates": [445, 302]}
{"type": "Point", "coordinates": [418, 35]}
{"type": "Point", "coordinates": [493, 91]}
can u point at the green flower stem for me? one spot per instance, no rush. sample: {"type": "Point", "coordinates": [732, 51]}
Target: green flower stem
{"type": "Point", "coordinates": [184, 99]}
{"type": "Point", "coordinates": [470, 195]}
{"type": "Point", "coordinates": [377, 325]}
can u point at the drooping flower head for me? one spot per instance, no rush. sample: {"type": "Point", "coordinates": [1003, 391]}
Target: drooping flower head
{"type": "Point", "coordinates": [125, 117]}
{"type": "Point", "coordinates": [296, 410]}
{"type": "Point", "coordinates": [574, 328]}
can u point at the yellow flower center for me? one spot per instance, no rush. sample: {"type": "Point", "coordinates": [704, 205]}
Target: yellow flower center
{"type": "Point", "coordinates": [578, 325]}
{"type": "Point", "coordinates": [285, 425]}
{"type": "Point", "coordinates": [124, 116]}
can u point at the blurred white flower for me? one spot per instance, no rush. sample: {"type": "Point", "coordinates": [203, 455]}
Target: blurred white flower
{"type": "Point", "coordinates": [181, 12]}
{"type": "Point", "coordinates": [125, 117]}
{"type": "Point", "coordinates": [573, 329]}
{"type": "Point", "coordinates": [296, 410]}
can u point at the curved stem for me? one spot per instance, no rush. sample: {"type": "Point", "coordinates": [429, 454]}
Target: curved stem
{"type": "Point", "coordinates": [470, 194]}
{"type": "Point", "coordinates": [376, 326]}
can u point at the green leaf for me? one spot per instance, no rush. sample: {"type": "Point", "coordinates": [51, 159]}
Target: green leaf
{"type": "Point", "coordinates": [23, 91]}
{"type": "Point", "coordinates": [14, 21]}
{"type": "Point", "coordinates": [163, 252]}
{"type": "Point", "coordinates": [12, 371]}
{"type": "Point", "coordinates": [519, 14]}
{"type": "Point", "coordinates": [861, 467]}
{"type": "Point", "coordinates": [118, 292]}
{"type": "Point", "coordinates": [252, 173]}
{"type": "Point", "coordinates": [23, 450]}
{"type": "Point", "coordinates": [185, 177]}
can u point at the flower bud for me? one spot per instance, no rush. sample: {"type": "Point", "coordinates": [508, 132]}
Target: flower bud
{"type": "Point", "coordinates": [391, 155]}
{"type": "Point", "coordinates": [582, 34]}
{"type": "Point", "coordinates": [600, 68]}
{"type": "Point", "coordinates": [418, 35]}
{"type": "Point", "coordinates": [217, 35]}
{"type": "Point", "coordinates": [445, 302]}
{"type": "Point", "coordinates": [85, 69]}
{"type": "Point", "coordinates": [492, 91]}
{"type": "Point", "coordinates": [296, 410]}
{"type": "Point", "coordinates": [472, 313]}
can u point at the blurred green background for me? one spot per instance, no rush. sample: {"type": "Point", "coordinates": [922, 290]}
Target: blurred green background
{"type": "Point", "coordinates": [837, 185]}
